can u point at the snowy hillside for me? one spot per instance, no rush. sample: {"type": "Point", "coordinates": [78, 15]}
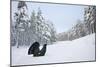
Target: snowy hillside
{"type": "Point", "coordinates": [82, 49]}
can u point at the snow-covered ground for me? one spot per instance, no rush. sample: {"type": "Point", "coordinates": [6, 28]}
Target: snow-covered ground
{"type": "Point", "coordinates": [82, 49]}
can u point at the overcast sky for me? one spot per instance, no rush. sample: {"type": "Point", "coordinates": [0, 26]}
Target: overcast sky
{"type": "Point", "coordinates": [62, 16]}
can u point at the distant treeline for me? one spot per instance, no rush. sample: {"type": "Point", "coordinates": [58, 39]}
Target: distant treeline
{"type": "Point", "coordinates": [82, 28]}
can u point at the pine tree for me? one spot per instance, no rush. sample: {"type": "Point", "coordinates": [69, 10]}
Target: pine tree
{"type": "Point", "coordinates": [21, 23]}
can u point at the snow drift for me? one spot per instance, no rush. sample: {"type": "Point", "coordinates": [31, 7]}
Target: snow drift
{"type": "Point", "coordinates": [82, 49]}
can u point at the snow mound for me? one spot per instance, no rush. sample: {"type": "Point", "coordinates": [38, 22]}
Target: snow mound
{"type": "Point", "coordinates": [82, 49]}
